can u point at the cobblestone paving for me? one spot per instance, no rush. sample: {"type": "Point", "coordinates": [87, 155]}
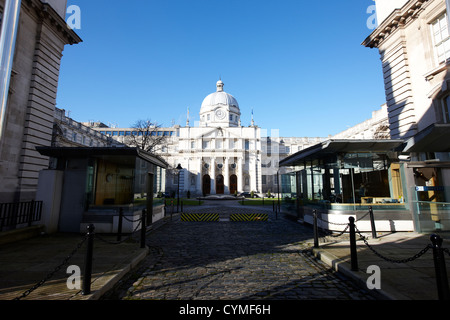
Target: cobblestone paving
{"type": "Point", "coordinates": [237, 260]}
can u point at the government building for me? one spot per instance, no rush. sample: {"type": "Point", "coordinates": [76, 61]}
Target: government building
{"type": "Point", "coordinates": [220, 156]}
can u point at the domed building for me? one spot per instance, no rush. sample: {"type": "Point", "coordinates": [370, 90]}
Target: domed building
{"type": "Point", "coordinates": [220, 109]}
{"type": "Point", "coordinates": [220, 155]}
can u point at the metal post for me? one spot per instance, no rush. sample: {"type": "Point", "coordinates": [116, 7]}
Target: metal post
{"type": "Point", "coordinates": [439, 267]}
{"type": "Point", "coordinates": [119, 228]}
{"type": "Point", "coordinates": [316, 235]}
{"type": "Point", "coordinates": [143, 229]}
{"type": "Point", "coordinates": [178, 197]}
{"type": "Point", "coordinates": [88, 262]}
{"type": "Point", "coordinates": [354, 257]}
{"type": "Point", "coordinates": [372, 223]}
{"type": "Point", "coordinates": [278, 186]}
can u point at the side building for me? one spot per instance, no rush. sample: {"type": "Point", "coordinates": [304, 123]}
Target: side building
{"type": "Point", "coordinates": [27, 118]}
{"type": "Point", "coordinates": [413, 39]}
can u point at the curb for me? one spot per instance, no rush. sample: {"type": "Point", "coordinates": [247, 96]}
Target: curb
{"type": "Point", "coordinates": [109, 284]}
{"type": "Point", "coordinates": [359, 277]}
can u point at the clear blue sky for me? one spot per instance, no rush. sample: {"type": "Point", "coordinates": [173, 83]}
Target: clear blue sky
{"type": "Point", "coordinates": [298, 64]}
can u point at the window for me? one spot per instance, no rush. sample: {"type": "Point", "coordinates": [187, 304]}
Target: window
{"type": "Point", "coordinates": [264, 179]}
{"type": "Point", "coordinates": [441, 38]}
{"type": "Point", "coordinates": [445, 107]}
{"type": "Point", "coordinates": [208, 117]}
{"type": "Point", "coordinates": [192, 144]}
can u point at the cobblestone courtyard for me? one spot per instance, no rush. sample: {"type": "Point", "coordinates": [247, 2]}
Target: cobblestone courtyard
{"type": "Point", "coordinates": [236, 260]}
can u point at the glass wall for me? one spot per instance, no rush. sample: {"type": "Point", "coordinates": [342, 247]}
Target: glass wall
{"type": "Point", "coordinates": [122, 181]}
{"type": "Point", "coordinates": [352, 179]}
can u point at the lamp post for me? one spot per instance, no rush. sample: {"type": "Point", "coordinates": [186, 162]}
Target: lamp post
{"type": "Point", "coordinates": [179, 168]}
{"type": "Point", "coordinates": [278, 185]}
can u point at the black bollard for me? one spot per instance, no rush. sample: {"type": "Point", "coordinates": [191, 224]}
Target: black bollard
{"type": "Point", "coordinates": [119, 230]}
{"type": "Point", "coordinates": [143, 229]}
{"type": "Point", "coordinates": [372, 223]}
{"type": "Point", "coordinates": [316, 230]}
{"type": "Point", "coordinates": [88, 261]}
{"type": "Point", "coordinates": [439, 267]}
{"type": "Point", "coordinates": [353, 254]}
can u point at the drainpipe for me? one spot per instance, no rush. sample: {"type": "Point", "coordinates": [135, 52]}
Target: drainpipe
{"type": "Point", "coordinates": [7, 45]}
{"type": "Point", "coordinates": [447, 5]}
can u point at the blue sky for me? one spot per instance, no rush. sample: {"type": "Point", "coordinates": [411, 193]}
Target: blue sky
{"type": "Point", "coordinates": [298, 64]}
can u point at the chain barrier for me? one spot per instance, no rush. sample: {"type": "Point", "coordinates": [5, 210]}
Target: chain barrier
{"type": "Point", "coordinates": [126, 218]}
{"type": "Point", "coordinates": [364, 238]}
{"type": "Point", "coordinates": [339, 224]}
{"type": "Point", "coordinates": [121, 241]}
{"type": "Point", "coordinates": [80, 244]}
{"type": "Point", "coordinates": [414, 257]}
{"type": "Point", "coordinates": [446, 251]}
{"type": "Point", "coordinates": [438, 252]}
{"type": "Point", "coordinates": [50, 275]}
{"type": "Point", "coordinates": [342, 224]}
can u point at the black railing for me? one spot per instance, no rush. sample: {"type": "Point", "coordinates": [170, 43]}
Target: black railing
{"type": "Point", "coordinates": [17, 213]}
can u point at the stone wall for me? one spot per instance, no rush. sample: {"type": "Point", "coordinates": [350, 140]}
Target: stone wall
{"type": "Point", "coordinates": [41, 38]}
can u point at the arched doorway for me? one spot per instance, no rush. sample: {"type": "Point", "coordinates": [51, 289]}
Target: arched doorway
{"type": "Point", "coordinates": [233, 184]}
{"type": "Point", "coordinates": [206, 184]}
{"type": "Point", "coordinates": [220, 186]}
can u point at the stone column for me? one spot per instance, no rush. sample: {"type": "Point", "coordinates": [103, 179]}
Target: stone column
{"type": "Point", "coordinates": [199, 176]}
{"type": "Point", "coordinates": [240, 171]}
{"type": "Point", "coordinates": [213, 175]}
{"type": "Point", "coordinates": [252, 171]}
{"type": "Point", "coordinates": [226, 176]}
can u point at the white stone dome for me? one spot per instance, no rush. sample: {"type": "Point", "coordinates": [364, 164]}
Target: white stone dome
{"type": "Point", "coordinates": [220, 109]}
{"type": "Point", "coordinates": [217, 98]}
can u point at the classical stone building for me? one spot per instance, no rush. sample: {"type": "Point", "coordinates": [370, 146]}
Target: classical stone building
{"type": "Point", "coordinates": [27, 118]}
{"type": "Point", "coordinates": [220, 155]}
{"type": "Point", "coordinates": [70, 133]}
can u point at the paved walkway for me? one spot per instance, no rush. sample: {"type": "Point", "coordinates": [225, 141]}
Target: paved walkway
{"type": "Point", "coordinates": [27, 263]}
{"type": "Point", "coordinates": [279, 245]}
{"type": "Point", "coordinates": [236, 261]}
{"type": "Point", "coordinates": [412, 280]}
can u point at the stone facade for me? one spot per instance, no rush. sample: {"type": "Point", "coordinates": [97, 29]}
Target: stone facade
{"type": "Point", "coordinates": [415, 76]}
{"type": "Point", "coordinates": [220, 156]}
{"type": "Point", "coordinates": [413, 39]}
{"type": "Point", "coordinates": [42, 35]}
{"type": "Point", "coordinates": [70, 133]}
